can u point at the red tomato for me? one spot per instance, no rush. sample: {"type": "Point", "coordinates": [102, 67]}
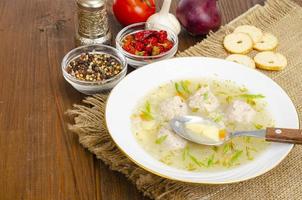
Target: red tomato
{"type": "Point", "coordinates": [133, 11]}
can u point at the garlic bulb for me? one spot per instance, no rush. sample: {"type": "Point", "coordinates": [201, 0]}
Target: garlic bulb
{"type": "Point", "coordinates": [164, 19]}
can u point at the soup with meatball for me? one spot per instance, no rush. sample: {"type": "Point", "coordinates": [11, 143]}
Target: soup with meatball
{"type": "Point", "coordinates": [230, 105]}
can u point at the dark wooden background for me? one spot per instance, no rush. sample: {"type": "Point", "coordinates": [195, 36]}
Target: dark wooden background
{"type": "Point", "coordinates": [39, 157]}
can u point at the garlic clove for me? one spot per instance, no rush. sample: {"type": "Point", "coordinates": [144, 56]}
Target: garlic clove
{"type": "Point", "coordinates": [162, 23]}
{"type": "Point", "coordinates": [164, 19]}
{"type": "Point", "coordinates": [175, 24]}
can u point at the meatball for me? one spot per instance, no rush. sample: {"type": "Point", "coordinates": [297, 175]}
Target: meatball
{"type": "Point", "coordinates": [172, 141]}
{"type": "Point", "coordinates": [204, 100]}
{"type": "Point", "coordinates": [240, 111]}
{"type": "Point", "coordinates": [173, 107]}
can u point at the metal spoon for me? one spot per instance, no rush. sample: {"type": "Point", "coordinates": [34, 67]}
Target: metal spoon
{"type": "Point", "coordinates": [179, 125]}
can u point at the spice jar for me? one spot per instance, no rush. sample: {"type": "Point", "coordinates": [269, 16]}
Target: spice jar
{"type": "Point", "coordinates": [92, 23]}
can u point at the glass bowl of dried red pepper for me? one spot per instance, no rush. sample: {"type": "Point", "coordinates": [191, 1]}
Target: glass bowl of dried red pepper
{"type": "Point", "coordinates": [141, 45]}
{"type": "Point", "coordinates": [94, 68]}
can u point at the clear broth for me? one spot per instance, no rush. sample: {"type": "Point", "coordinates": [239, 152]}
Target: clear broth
{"type": "Point", "coordinates": [195, 157]}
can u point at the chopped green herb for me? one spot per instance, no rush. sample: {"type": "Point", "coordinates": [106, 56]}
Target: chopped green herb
{"type": "Point", "coordinates": [206, 96]}
{"type": "Point", "coordinates": [185, 152]}
{"type": "Point", "coordinates": [218, 118]}
{"type": "Point", "coordinates": [229, 99]}
{"type": "Point", "coordinates": [248, 154]}
{"type": "Point", "coordinates": [146, 114]}
{"type": "Point", "coordinates": [148, 106]}
{"type": "Point", "coordinates": [195, 160]}
{"type": "Point", "coordinates": [185, 86]}
{"type": "Point", "coordinates": [182, 88]}
{"type": "Point", "coordinates": [178, 88]}
{"type": "Point", "coordinates": [210, 161]}
{"type": "Point", "coordinates": [161, 139]}
{"type": "Point", "coordinates": [258, 126]}
{"type": "Point", "coordinates": [236, 156]}
{"type": "Point", "coordinates": [227, 147]}
{"type": "Point", "coordinates": [252, 96]}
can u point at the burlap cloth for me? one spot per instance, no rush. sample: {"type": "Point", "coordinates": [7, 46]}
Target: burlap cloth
{"type": "Point", "coordinates": [280, 17]}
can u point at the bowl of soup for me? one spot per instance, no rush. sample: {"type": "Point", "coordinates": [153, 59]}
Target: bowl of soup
{"type": "Point", "coordinates": [141, 106]}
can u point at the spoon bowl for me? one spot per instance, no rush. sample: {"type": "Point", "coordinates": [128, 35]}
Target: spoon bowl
{"type": "Point", "coordinates": [179, 125]}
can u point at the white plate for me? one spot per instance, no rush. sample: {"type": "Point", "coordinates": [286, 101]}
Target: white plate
{"type": "Point", "coordinates": [126, 94]}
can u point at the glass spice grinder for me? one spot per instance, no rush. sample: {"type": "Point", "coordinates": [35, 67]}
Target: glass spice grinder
{"type": "Point", "coordinates": [92, 23]}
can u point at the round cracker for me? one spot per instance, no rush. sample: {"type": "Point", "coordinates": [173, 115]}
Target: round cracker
{"type": "Point", "coordinates": [242, 59]}
{"type": "Point", "coordinates": [238, 43]}
{"type": "Point", "coordinates": [254, 32]}
{"type": "Point", "coordinates": [270, 60]}
{"type": "Point", "coordinates": [267, 43]}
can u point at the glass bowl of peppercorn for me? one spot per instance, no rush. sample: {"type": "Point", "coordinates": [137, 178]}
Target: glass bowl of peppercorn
{"type": "Point", "coordinates": [95, 68]}
{"type": "Point", "coordinates": [144, 43]}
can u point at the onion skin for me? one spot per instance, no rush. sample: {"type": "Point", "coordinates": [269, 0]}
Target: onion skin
{"type": "Point", "coordinates": [198, 17]}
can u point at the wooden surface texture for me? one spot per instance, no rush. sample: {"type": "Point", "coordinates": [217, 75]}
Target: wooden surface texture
{"type": "Point", "coordinates": [39, 157]}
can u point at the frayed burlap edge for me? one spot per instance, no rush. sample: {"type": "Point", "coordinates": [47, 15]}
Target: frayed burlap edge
{"type": "Point", "coordinates": [89, 125]}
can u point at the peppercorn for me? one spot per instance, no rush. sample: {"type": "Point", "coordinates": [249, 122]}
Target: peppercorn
{"type": "Point", "coordinates": [94, 67]}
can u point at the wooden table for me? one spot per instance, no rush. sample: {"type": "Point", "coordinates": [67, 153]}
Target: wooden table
{"type": "Point", "coordinates": [39, 157]}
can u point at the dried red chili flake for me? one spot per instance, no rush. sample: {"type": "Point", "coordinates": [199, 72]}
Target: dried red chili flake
{"type": "Point", "coordinates": [140, 36]}
{"type": "Point", "coordinates": [139, 46]}
{"type": "Point", "coordinates": [147, 43]}
{"type": "Point", "coordinates": [162, 36]}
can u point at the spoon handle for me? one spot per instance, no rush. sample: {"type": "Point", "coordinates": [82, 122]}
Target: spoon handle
{"type": "Point", "coordinates": [284, 135]}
